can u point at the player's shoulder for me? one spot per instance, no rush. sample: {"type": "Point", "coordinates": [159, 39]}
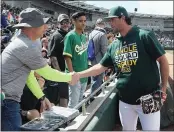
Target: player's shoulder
{"type": "Point", "coordinates": [144, 32]}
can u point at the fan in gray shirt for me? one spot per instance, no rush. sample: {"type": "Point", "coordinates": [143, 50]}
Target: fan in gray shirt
{"type": "Point", "coordinates": [100, 44]}
{"type": "Point", "coordinates": [20, 57]}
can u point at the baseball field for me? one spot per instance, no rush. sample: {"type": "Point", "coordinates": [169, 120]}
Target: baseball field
{"type": "Point", "coordinates": [169, 55]}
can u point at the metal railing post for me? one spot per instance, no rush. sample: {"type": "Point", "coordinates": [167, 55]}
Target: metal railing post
{"type": "Point", "coordinates": [83, 109]}
{"type": "Point", "coordinates": [103, 90]}
{"type": "Point", "coordinates": [83, 102]}
{"type": "Point", "coordinates": [114, 80]}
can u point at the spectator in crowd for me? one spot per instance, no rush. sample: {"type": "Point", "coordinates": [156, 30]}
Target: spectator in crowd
{"type": "Point", "coordinates": [75, 52]}
{"type": "Point", "coordinates": [55, 53]}
{"type": "Point", "coordinates": [6, 36]}
{"type": "Point", "coordinates": [44, 42]}
{"type": "Point", "coordinates": [134, 55]}
{"type": "Point", "coordinates": [44, 54]}
{"type": "Point", "coordinates": [11, 13]}
{"type": "Point", "coordinates": [19, 61]}
{"type": "Point", "coordinates": [4, 23]}
{"type": "Point", "coordinates": [100, 43]}
{"type": "Point", "coordinates": [110, 38]}
{"type": "Point", "coordinates": [30, 105]}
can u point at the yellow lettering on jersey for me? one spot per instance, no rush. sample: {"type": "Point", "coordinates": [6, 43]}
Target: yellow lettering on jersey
{"type": "Point", "coordinates": [134, 61]}
{"type": "Point", "coordinates": [134, 47]}
{"type": "Point", "coordinates": [125, 50]}
{"type": "Point", "coordinates": [130, 48]}
{"type": "Point", "coordinates": [119, 65]}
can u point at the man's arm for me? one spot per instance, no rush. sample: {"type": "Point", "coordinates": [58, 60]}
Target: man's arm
{"type": "Point", "coordinates": [37, 91]}
{"type": "Point", "coordinates": [55, 63]}
{"type": "Point", "coordinates": [34, 86]}
{"type": "Point", "coordinates": [157, 53]}
{"type": "Point", "coordinates": [69, 63]}
{"type": "Point", "coordinates": [51, 74]}
{"type": "Point", "coordinates": [100, 67]}
{"type": "Point", "coordinates": [93, 71]}
{"type": "Point", "coordinates": [164, 70]}
{"type": "Point", "coordinates": [40, 80]}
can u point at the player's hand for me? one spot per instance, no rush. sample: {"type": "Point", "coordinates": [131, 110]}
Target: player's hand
{"type": "Point", "coordinates": [75, 78]}
{"type": "Point", "coordinates": [164, 95]}
{"type": "Point", "coordinates": [45, 105]}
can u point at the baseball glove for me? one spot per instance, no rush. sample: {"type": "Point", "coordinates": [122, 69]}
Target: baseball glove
{"type": "Point", "coordinates": [152, 102]}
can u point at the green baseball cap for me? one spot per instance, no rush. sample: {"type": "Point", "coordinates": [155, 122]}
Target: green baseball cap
{"type": "Point", "coordinates": [116, 12]}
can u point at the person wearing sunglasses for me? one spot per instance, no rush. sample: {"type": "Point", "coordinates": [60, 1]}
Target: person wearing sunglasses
{"type": "Point", "coordinates": [58, 92]}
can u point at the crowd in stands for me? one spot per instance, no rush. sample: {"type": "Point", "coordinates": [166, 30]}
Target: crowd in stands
{"type": "Point", "coordinates": [9, 17]}
{"type": "Point", "coordinates": [165, 38]}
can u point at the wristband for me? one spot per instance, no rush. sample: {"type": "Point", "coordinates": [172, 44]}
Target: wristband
{"type": "Point", "coordinates": [42, 98]}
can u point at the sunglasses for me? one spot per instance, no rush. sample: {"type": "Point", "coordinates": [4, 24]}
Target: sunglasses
{"type": "Point", "coordinates": [64, 22]}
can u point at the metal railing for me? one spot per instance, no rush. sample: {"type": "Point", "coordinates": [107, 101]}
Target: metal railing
{"type": "Point", "coordinates": [84, 124]}
{"type": "Point", "coordinates": [84, 101]}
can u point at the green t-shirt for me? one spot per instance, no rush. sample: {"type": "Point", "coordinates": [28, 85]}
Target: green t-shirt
{"type": "Point", "coordinates": [75, 46]}
{"type": "Point", "coordinates": [135, 57]}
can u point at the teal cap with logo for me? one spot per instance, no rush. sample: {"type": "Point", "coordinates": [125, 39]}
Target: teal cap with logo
{"type": "Point", "coordinates": [117, 12]}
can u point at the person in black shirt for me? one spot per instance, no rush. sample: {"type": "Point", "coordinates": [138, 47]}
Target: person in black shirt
{"type": "Point", "coordinates": [58, 92]}
{"type": "Point", "coordinates": [30, 105]}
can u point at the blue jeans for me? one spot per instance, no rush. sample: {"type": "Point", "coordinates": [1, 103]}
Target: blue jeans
{"type": "Point", "coordinates": [76, 93]}
{"type": "Point", "coordinates": [10, 115]}
{"type": "Point", "coordinates": [96, 82]}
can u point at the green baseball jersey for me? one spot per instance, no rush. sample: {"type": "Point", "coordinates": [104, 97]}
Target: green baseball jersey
{"type": "Point", "coordinates": [75, 46]}
{"type": "Point", "coordinates": [134, 55]}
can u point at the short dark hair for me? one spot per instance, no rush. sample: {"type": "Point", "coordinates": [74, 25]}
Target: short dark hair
{"type": "Point", "coordinates": [77, 15]}
{"type": "Point", "coordinates": [11, 10]}
{"type": "Point", "coordinates": [127, 19]}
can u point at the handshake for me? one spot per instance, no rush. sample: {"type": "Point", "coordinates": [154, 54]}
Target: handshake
{"type": "Point", "coordinates": [75, 78]}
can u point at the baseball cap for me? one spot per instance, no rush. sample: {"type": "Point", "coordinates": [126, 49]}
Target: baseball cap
{"type": "Point", "coordinates": [116, 12]}
{"type": "Point", "coordinates": [62, 17]}
{"type": "Point", "coordinates": [100, 21]}
{"type": "Point", "coordinates": [31, 17]}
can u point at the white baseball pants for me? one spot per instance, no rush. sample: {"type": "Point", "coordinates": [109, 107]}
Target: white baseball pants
{"type": "Point", "coordinates": [129, 115]}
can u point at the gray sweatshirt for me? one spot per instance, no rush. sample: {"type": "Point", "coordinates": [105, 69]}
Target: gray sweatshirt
{"type": "Point", "coordinates": [100, 42]}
